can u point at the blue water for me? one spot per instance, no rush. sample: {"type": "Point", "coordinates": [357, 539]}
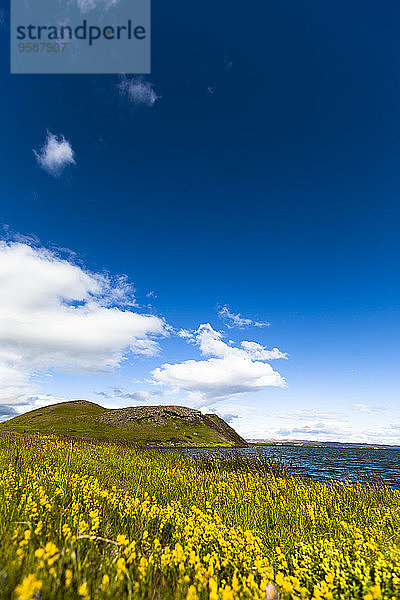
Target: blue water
{"type": "Point", "coordinates": [325, 464]}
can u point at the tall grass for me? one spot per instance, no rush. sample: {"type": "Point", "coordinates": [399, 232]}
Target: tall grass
{"type": "Point", "coordinates": [101, 520]}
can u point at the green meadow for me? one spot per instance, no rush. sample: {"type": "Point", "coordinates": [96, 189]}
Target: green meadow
{"type": "Point", "coordinates": [97, 520]}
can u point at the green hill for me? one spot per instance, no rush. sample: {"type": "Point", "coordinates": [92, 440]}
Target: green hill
{"type": "Point", "coordinates": [150, 425]}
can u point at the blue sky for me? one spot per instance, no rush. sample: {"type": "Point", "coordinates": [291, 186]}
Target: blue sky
{"type": "Point", "coordinates": [255, 168]}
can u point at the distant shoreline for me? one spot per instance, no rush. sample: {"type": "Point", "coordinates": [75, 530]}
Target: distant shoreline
{"type": "Point", "coordinates": [316, 444]}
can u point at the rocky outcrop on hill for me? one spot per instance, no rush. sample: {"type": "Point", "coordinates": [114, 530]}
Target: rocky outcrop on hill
{"type": "Point", "coordinates": [176, 416]}
{"type": "Point", "coordinates": [226, 430]}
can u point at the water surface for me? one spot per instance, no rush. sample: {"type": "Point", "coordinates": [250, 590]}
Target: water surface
{"type": "Point", "coordinates": [322, 463]}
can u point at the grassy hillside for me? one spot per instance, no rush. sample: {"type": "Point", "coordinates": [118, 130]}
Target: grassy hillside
{"type": "Point", "coordinates": [151, 425]}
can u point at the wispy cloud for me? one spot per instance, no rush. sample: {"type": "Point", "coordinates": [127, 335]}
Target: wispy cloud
{"type": "Point", "coordinates": [55, 155]}
{"type": "Point", "coordinates": [308, 430]}
{"type": "Point", "coordinates": [256, 422]}
{"type": "Point", "coordinates": [138, 91]}
{"type": "Point", "coordinates": [3, 20]}
{"type": "Point", "coordinates": [307, 414]}
{"type": "Point", "coordinates": [87, 5]}
{"type": "Point", "coordinates": [232, 320]}
{"type": "Point", "coordinates": [125, 397]}
{"type": "Point", "coordinates": [367, 408]}
{"type": "Point", "coordinates": [258, 352]}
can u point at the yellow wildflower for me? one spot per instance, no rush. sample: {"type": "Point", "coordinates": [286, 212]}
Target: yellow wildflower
{"type": "Point", "coordinates": [39, 528]}
{"type": "Point", "coordinates": [68, 577]}
{"type": "Point", "coordinates": [227, 593]}
{"type": "Point", "coordinates": [192, 593]}
{"type": "Point", "coordinates": [83, 591]}
{"type": "Point", "coordinates": [122, 539]}
{"type": "Point", "coordinates": [29, 588]}
{"type": "Point", "coordinates": [376, 591]}
{"type": "Point", "coordinates": [121, 566]}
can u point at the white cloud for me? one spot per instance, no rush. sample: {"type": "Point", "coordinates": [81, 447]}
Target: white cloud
{"type": "Point", "coordinates": [301, 414]}
{"type": "Point", "coordinates": [138, 91]}
{"type": "Point", "coordinates": [126, 398]}
{"type": "Point", "coordinates": [232, 320]}
{"type": "Point", "coordinates": [316, 429]}
{"type": "Point", "coordinates": [185, 334]}
{"type": "Point", "coordinates": [258, 352]}
{"type": "Point", "coordinates": [11, 406]}
{"type": "Point", "coordinates": [56, 315]}
{"type": "Point", "coordinates": [88, 5]}
{"type": "Point", "coordinates": [14, 383]}
{"type": "Point", "coordinates": [55, 154]}
{"type": "Point", "coordinates": [307, 424]}
{"type": "Point", "coordinates": [367, 408]}
{"type": "Point", "coordinates": [230, 371]}
{"type": "Point", "coordinates": [15, 406]}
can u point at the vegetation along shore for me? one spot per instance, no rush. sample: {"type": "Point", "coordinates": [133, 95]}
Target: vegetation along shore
{"type": "Point", "coordinates": [96, 520]}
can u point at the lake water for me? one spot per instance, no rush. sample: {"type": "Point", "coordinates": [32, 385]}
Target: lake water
{"type": "Point", "coordinates": [352, 464]}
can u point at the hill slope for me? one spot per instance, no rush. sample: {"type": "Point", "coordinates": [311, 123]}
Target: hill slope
{"type": "Point", "coordinates": [152, 425]}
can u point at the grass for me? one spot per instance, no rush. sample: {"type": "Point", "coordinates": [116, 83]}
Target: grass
{"type": "Point", "coordinates": [79, 419]}
{"type": "Point", "coordinates": [100, 521]}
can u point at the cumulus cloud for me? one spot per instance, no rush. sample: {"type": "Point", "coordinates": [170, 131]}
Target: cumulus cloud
{"type": "Point", "coordinates": [229, 371]}
{"type": "Point", "coordinates": [56, 315]}
{"type": "Point", "coordinates": [138, 91]}
{"type": "Point", "coordinates": [55, 155]}
{"type": "Point", "coordinates": [232, 319]}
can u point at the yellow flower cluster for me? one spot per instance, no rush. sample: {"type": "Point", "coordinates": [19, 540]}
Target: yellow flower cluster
{"type": "Point", "coordinates": [102, 524]}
